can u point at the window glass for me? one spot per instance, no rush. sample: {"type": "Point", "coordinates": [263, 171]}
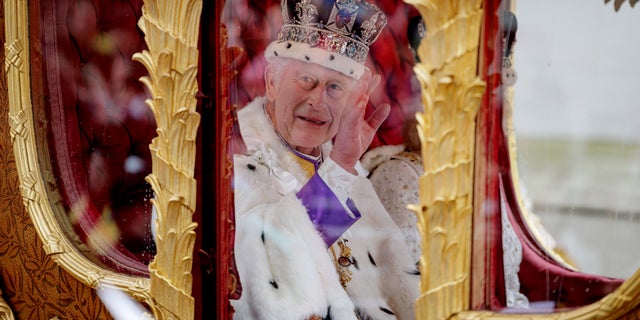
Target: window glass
{"type": "Point", "coordinates": [98, 128]}
{"type": "Point", "coordinates": [284, 167]}
{"type": "Point", "coordinates": [577, 117]}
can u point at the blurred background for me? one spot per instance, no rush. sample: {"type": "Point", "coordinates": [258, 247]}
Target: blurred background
{"type": "Point", "coordinates": [576, 113]}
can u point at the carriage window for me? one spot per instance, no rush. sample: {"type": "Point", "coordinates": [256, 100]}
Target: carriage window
{"type": "Point", "coordinates": [284, 162]}
{"type": "Point", "coordinates": [97, 129]}
{"type": "Point", "coordinates": [576, 119]}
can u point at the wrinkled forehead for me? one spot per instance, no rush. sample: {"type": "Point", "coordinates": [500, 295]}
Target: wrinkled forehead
{"type": "Point", "coordinates": [301, 68]}
{"type": "Point", "coordinates": [323, 72]}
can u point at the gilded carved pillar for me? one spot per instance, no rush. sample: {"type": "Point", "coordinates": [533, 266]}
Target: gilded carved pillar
{"type": "Point", "coordinates": [451, 95]}
{"type": "Point", "coordinates": [171, 31]}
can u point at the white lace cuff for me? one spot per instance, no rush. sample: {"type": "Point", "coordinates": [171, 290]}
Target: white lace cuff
{"type": "Point", "coordinates": [339, 180]}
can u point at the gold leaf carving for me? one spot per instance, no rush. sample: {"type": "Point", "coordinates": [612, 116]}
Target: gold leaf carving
{"type": "Point", "coordinates": [13, 51]}
{"type": "Point", "coordinates": [5, 310]}
{"type": "Point", "coordinates": [52, 245]}
{"type": "Point", "coordinates": [451, 95]}
{"type": "Point", "coordinates": [171, 32]}
{"type": "Point", "coordinates": [621, 304]}
{"type": "Point", "coordinates": [617, 4]}
{"type": "Point", "coordinates": [34, 180]}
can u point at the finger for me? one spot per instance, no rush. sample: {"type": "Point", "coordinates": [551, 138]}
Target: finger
{"type": "Point", "coordinates": [360, 90]}
{"type": "Point", "coordinates": [379, 115]}
{"type": "Point", "coordinates": [358, 111]}
{"type": "Point", "coordinates": [366, 76]}
{"type": "Point", "coordinates": [373, 83]}
{"type": "Point", "coordinates": [352, 117]}
{"type": "Point", "coordinates": [364, 81]}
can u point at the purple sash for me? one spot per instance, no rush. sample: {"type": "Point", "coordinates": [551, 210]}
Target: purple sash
{"type": "Point", "coordinates": [325, 210]}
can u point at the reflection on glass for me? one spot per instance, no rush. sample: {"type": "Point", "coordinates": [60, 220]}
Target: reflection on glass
{"type": "Point", "coordinates": [577, 120]}
{"type": "Point", "coordinates": [99, 128]}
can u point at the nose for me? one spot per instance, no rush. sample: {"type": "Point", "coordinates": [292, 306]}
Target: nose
{"type": "Point", "coordinates": [316, 97]}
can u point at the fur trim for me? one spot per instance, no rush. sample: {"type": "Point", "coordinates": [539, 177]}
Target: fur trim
{"type": "Point", "coordinates": [283, 263]}
{"type": "Point", "coordinates": [285, 268]}
{"type": "Point", "coordinates": [375, 157]}
{"type": "Point", "coordinates": [385, 278]}
{"type": "Point", "coordinates": [306, 53]}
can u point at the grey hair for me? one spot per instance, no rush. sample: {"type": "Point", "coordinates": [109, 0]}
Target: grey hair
{"type": "Point", "coordinates": [278, 65]}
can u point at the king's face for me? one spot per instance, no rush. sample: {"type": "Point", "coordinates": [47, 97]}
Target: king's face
{"type": "Point", "coordinates": [306, 103]}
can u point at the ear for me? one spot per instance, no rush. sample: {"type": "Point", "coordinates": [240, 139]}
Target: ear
{"type": "Point", "coordinates": [270, 82]}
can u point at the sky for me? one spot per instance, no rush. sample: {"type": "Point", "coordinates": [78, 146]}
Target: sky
{"type": "Point", "coordinates": [578, 65]}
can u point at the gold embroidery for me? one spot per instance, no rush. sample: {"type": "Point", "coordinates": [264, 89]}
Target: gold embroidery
{"type": "Point", "coordinates": [305, 164]}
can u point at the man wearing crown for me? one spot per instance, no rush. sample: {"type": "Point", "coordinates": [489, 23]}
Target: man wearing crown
{"type": "Point", "coordinates": [313, 240]}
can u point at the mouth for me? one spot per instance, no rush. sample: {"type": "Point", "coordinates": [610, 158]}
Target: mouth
{"type": "Point", "coordinates": [313, 121]}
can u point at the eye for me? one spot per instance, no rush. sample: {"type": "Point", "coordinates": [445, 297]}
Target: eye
{"type": "Point", "coordinates": [307, 82]}
{"type": "Point", "coordinates": [335, 90]}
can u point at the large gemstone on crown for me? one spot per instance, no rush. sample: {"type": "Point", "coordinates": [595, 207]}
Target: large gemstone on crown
{"type": "Point", "coordinates": [314, 38]}
{"type": "Point", "coordinates": [343, 18]}
{"type": "Point", "coordinates": [351, 49]}
{"type": "Point", "coordinates": [300, 36]}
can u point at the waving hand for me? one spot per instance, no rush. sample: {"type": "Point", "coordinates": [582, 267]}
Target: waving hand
{"type": "Point", "coordinates": [355, 132]}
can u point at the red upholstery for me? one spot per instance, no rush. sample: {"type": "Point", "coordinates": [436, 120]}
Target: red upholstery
{"type": "Point", "coordinates": [100, 126]}
{"type": "Point", "coordinates": [541, 277]}
{"type": "Point", "coordinates": [544, 279]}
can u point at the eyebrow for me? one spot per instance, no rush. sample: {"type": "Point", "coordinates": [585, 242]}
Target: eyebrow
{"type": "Point", "coordinates": [301, 73]}
{"type": "Point", "coordinates": [339, 79]}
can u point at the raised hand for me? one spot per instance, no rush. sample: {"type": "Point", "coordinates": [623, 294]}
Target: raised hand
{"type": "Point", "coordinates": [355, 133]}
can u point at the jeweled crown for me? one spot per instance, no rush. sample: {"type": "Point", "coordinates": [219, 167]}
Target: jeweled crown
{"type": "Point", "coordinates": [345, 28]}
